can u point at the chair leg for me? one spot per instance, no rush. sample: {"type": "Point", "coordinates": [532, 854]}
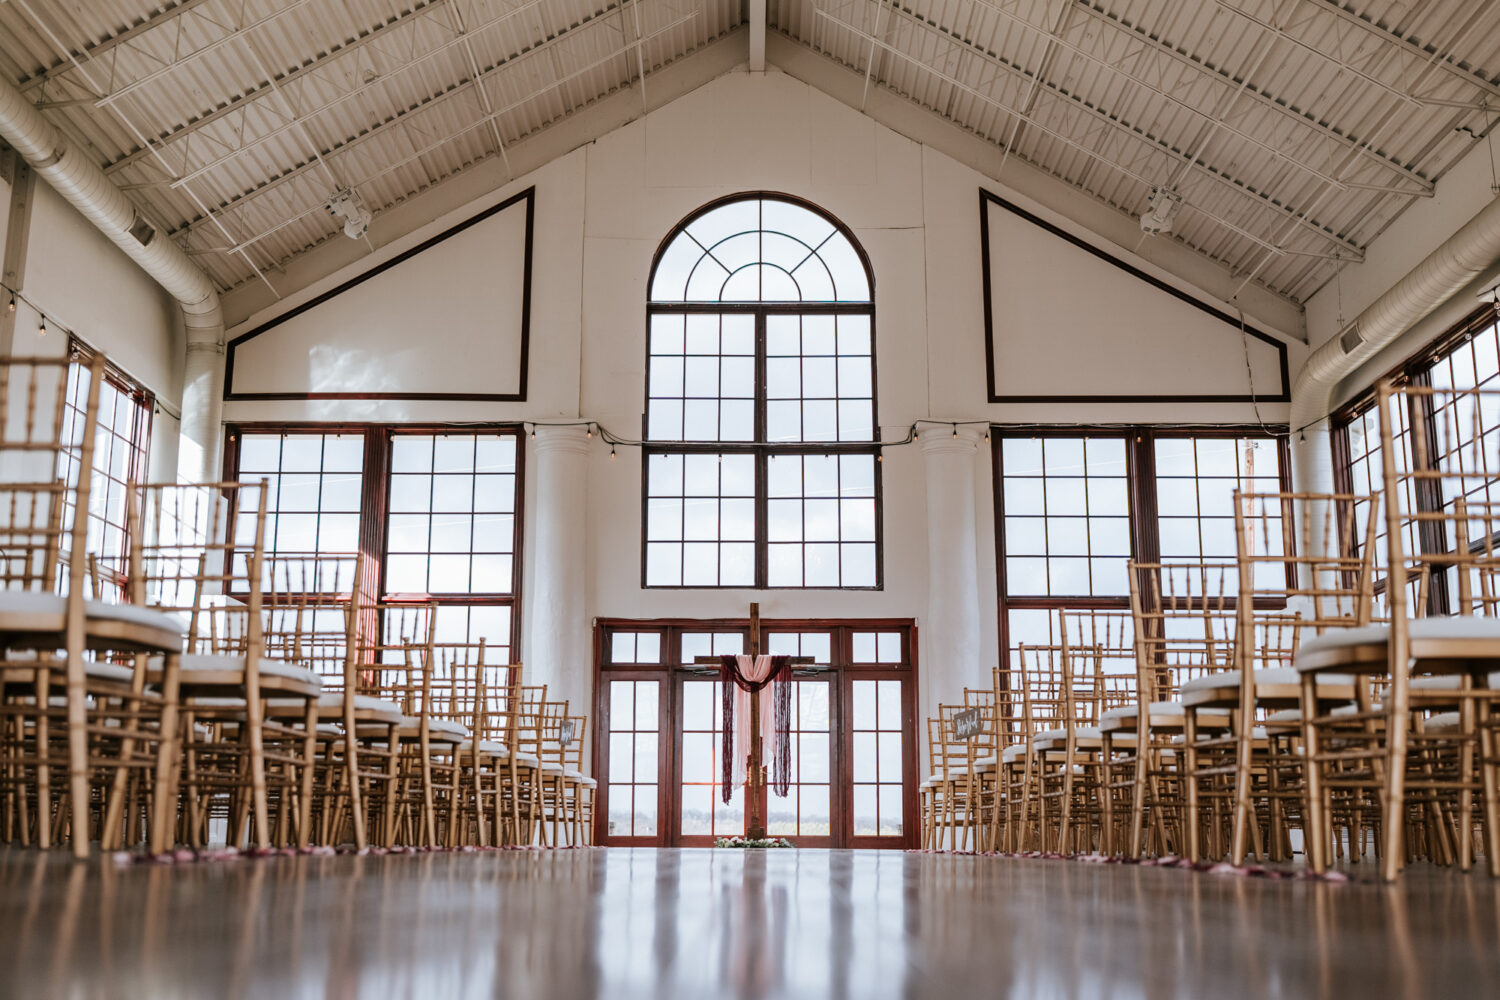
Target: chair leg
{"type": "Point", "coordinates": [1313, 839]}
{"type": "Point", "coordinates": [164, 803]}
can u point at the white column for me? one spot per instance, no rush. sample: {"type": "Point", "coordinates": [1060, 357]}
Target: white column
{"type": "Point", "coordinates": [950, 636]}
{"type": "Point", "coordinates": [556, 650]}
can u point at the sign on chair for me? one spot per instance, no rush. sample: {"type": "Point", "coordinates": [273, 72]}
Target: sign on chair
{"type": "Point", "coordinates": [967, 724]}
{"type": "Point", "coordinates": [565, 733]}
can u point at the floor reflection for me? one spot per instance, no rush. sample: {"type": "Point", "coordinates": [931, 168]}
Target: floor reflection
{"type": "Point", "coordinates": [741, 925]}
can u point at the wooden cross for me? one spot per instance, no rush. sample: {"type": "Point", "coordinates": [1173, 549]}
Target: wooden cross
{"type": "Point", "coordinates": [755, 769]}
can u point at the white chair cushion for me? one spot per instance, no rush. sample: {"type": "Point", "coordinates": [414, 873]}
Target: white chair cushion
{"type": "Point", "coordinates": [107, 671]}
{"type": "Point", "coordinates": [1271, 675]}
{"type": "Point", "coordinates": [40, 606]}
{"type": "Point", "coordinates": [190, 662]}
{"type": "Point", "coordinates": [1443, 722]}
{"type": "Point", "coordinates": [573, 775]}
{"type": "Point", "coordinates": [548, 767]}
{"type": "Point", "coordinates": [1460, 627]}
{"type": "Point", "coordinates": [1286, 715]}
{"type": "Point", "coordinates": [1340, 638]}
{"type": "Point", "coordinates": [1081, 733]}
{"type": "Point", "coordinates": [485, 746]}
{"type": "Point", "coordinates": [1014, 753]}
{"type": "Point", "coordinates": [442, 728]}
{"type": "Point", "coordinates": [1449, 682]}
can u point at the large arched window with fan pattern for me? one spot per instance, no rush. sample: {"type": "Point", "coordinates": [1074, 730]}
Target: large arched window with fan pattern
{"type": "Point", "coordinates": [762, 464]}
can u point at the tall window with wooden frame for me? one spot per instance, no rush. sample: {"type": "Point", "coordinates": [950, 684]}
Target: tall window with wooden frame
{"type": "Point", "coordinates": [659, 757]}
{"type": "Point", "coordinates": [761, 465]}
{"type": "Point", "coordinates": [435, 507]}
{"type": "Point", "coordinates": [1074, 506]}
{"type": "Point", "coordinates": [121, 448]}
{"type": "Point", "coordinates": [1465, 357]}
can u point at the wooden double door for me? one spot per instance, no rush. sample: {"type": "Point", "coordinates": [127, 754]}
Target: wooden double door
{"type": "Point", "coordinates": [853, 748]}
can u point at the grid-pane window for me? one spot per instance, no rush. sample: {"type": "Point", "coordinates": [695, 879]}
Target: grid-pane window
{"type": "Point", "coordinates": [700, 520]}
{"type": "Point", "coordinates": [819, 378]}
{"type": "Point", "coordinates": [1067, 516]}
{"type": "Point", "coordinates": [761, 341]}
{"type": "Point", "coordinates": [1196, 478]}
{"type": "Point", "coordinates": [1460, 436]}
{"type": "Point", "coordinates": [820, 521]}
{"type": "Point", "coordinates": [452, 520]}
{"type": "Point", "coordinates": [314, 490]}
{"type": "Point", "coordinates": [439, 509]}
{"type": "Point", "coordinates": [120, 445]}
{"type": "Point", "coordinates": [702, 378]}
{"type": "Point", "coordinates": [1076, 507]}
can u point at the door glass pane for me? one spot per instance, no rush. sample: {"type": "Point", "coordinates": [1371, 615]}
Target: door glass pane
{"type": "Point", "coordinates": [805, 812]}
{"type": "Point", "coordinates": [633, 760]}
{"type": "Point", "coordinates": [879, 751]}
{"type": "Point", "coordinates": [704, 813]}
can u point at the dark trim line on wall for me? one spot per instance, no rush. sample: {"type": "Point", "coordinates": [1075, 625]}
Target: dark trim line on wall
{"type": "Point", "coordinates": [985, 198]}
{"type": "Point", "coordinates": [528, 197]}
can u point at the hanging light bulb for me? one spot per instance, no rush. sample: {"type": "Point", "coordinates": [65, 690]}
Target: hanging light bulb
{"type": "Point", "coordinates": [986, 433]}
{"type": "Point", "coordinates": [611, 452]}
{"type": "Point", "coordinates": [12, 301]}
{"type": "Point", "coordinates": [879, 456]}
{"type": "Point", "coordinates": [591, 430]}
{"type": "Point", "coordinates": [533, 432]}
{"type": "Point", "coordinates": [41, 329]}
{"type": "Point", "coordinates": [955, 430]}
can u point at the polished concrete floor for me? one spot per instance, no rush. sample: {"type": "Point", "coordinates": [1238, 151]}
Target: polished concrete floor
{"type": "Point", "coordinates": [745, 925]}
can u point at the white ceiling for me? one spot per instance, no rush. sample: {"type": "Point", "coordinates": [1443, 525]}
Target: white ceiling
{"type": "Point", "coordinates": [1295, 130]}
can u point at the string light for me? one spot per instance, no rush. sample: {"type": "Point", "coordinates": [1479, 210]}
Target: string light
{"type": "Point", "coordinates": [533, 432]}
{"type": "Point", "coordinates": [41, 329]}
{"type": "Point", "coordinates": [12, 301]}
{"type": "Point", "coordinates": [611, 452]}
{"type": "Point", "coordinates": [955, 430]}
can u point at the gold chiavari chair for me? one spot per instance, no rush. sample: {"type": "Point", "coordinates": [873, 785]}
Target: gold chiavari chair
{"type": "Point", "coordinates": [312, 620]}
{"type": "Point", "coordinates": [984, 766]}
{"type": "Point", "coordinates": [397, 661]}
{"type": "Point", "coordinates": [1106, 634]}
{"type": "Point", "coordinates": [1286, 592]}
{"type": "Point", "coordinates": [1439, 475]}
{"type": "Point", "coordinates": [1047, 706]}
{"type": "Point", "coordinates": [581, 787]}
{"type": "Point", "coordinates": [943, 789]}
{"type": "Point", "coordinates": [46, 607]}
{"type": "Point", "coordinates": [190, 564]}
{"type": "Point", "coordinates": [542, 725]}
{"type": "Point", "coordinates": [1012, 740]}
{"type": "Point", "coordinates": [1183, 625]}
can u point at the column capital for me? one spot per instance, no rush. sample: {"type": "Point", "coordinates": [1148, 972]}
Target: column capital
{"type": "Point", "coordinates": [560, 439]}
{"type": "Point", "coordinates": [937, 439]}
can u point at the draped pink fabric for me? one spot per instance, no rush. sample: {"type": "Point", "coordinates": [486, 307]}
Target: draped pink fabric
{"type": "Point", "coordinates": [755, 673]}
{"type": "Point", "coordinates": [769, 679]}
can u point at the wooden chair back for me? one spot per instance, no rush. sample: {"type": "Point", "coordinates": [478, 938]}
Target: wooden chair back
{"type": "Point", "coordinates": [311, 616]}
{"type": "Point", "coordinates": [45, 447]}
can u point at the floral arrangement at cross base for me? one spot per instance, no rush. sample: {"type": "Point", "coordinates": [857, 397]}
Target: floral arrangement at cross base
{"type": "Point", "coordinates": [757, 842]}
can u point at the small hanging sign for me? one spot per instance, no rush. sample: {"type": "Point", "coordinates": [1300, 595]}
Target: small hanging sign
{"type": "Point", "coordinates": [967, 724]}
{"type": "Point", "coordinates": [565, 733]}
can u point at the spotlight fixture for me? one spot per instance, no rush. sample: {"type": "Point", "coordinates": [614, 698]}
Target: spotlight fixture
{"type": "Point", "coordinates": [1160, 212]}
{"type": "Point", "coordinates": [346, 204]}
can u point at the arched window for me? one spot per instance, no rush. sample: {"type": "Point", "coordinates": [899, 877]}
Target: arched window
{"type": "Point", "coordinates": [761, 468]}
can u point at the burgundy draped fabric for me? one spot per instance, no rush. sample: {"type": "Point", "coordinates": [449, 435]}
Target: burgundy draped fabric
{"type": "Point", "coordinates": [769, 679]}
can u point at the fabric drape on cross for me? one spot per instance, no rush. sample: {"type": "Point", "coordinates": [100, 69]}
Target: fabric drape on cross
{"type": "Point", "coordinates": [768, 678]}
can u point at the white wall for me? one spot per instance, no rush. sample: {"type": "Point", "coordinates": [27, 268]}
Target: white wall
{"type": "Point", "coordinates": [88, 287]}
{"type": "Point", "coordinates": [601, 213]}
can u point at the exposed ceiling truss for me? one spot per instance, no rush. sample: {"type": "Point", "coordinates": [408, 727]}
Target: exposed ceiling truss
{"type": "Point", "coordinates": [1294, 130]}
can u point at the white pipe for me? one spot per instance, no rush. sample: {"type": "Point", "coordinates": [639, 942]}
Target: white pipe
{"type": "Point", "coordinates": [79, 180]}
{"type": "Point", "coordinates": [1463, 257]}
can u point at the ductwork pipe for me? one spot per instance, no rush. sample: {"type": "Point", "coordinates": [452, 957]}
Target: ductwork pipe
{"type": "Point", "coordinates": [86, 188]}
{"type": "Point", "coordinates": [1466, 255]}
